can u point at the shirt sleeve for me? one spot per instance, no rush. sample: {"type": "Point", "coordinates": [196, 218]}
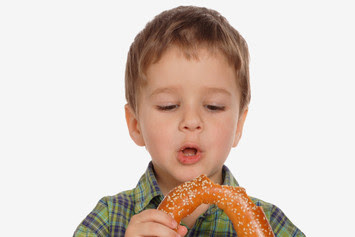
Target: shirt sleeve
{"type": "Point", "coordinates": [96, 224]}
{"type": "Point", "coordinates": [281, 225]}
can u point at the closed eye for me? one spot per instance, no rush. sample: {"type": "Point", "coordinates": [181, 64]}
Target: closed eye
{"type": "Point", "coordinates": [167, 107]}
{"type": "Point", "coordinates": [215, 108]}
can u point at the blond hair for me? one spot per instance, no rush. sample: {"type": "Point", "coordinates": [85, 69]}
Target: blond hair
{"type": "Point", "coordinates": [189, 28]}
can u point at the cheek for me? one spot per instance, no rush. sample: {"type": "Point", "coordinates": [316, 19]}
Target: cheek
{"type": "Point", "coordinates": [157, 134]}
{"type": "Point", "coordinates": [224, 132]}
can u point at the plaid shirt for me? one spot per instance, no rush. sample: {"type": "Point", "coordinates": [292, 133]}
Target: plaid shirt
{"type": "Point", "coordinates": [113, 213]}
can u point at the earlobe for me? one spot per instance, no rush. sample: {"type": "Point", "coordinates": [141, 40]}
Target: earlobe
{"type": "Point", "coordinates": [133, 126]}
{"type": "Point", "coordinates": [240, 126]}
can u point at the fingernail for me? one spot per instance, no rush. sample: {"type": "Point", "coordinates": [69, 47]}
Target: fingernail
{"type": "Point", "coordinates": [177, 235]}
{"type": "Point", "coordinates": [174, 223]}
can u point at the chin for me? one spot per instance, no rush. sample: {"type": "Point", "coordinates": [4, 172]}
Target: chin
{"type": "Point", "coordinates": [188, 173]}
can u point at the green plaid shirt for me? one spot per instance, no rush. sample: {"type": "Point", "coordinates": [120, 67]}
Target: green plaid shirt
{"type": "Point", "coordinates": [113, 213]}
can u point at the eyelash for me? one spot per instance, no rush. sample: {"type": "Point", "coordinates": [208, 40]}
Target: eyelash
{"type": "Point", "coordinates": [215, 108]}
{"type": "Point", "coordinates": [212, 108]}
{"type": "Point", "coordinates": [167, 107]}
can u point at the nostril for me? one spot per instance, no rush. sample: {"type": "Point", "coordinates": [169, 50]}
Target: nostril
{"type": "Point", "coordinates": [192, 127]}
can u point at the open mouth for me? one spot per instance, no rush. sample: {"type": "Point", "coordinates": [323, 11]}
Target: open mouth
{"type": "Point", "coordinates": [189, 151]}
{"type": "Point", "coordinates": [189, 154]}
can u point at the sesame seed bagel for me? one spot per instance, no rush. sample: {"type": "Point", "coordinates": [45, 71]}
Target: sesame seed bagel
{"type": "Point", "coordinates": [248, 219]}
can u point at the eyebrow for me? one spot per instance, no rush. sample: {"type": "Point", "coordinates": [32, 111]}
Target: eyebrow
{"type": "Point", "coordinates": [218, 90]}
{"type": "Point", "coordinates": [209, 90]}
{"type": "Point", "coordinates": [162, 90]}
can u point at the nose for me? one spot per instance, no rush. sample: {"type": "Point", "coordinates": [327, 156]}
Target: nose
{"type": "Point", "coordinates": [190, 121]}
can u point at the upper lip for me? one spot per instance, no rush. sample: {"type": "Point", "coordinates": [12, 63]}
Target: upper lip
{"type": "Point", "coordinates": [190, 145]}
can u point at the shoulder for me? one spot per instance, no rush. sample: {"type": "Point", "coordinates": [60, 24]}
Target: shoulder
{"type": "Point", "coordinates": [111, 215]}
{"type": "Point", "coordinates": [279, 222]}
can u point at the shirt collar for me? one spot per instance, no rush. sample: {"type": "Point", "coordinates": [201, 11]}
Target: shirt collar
{"type": "Point", "coordinates": [148, 191]}
{"type": "Point", "coordinates": [228, 178]}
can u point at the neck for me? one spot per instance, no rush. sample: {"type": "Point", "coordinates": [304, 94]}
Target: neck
{"type": "Point", "coordinates": [166, 182]}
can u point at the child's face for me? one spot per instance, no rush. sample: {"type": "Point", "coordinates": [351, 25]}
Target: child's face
{"type": "Point", "coordinates": [192, 104]}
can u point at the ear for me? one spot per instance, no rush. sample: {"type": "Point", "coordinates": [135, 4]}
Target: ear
{"type": "Point", "coordinates": [240, 126]}
{"type": "Point", "coordinates": [133, 126]}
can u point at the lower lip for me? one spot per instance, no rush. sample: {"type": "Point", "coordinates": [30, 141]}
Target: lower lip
{"type": "Point", "coordinates": [188, 160]}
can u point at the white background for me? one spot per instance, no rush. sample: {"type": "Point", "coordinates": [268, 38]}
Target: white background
{"type": "Point", "coordinates": [63, 138]}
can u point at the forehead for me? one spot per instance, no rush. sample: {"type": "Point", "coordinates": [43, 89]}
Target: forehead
{"type": "Point", "coordinates": [207, 68]}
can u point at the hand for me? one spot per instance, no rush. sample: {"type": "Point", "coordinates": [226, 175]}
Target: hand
{"type": "Point", "coordinates": [154, 222]}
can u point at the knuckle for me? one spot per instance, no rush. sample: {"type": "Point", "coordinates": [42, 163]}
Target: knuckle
{"type": "Point", "coordinates": [134, 218]}
{"type": "Point", "coordinates": [154, 213]}
{"type": "Point", "coordinates": [157, 229]}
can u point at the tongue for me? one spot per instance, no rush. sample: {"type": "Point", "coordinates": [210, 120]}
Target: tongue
{"type": "Point", "coordinates": [189, 151]}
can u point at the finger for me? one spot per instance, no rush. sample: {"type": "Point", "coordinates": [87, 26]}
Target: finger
{"type": "Point", "coordinates": [153, 215]}
{"type": "Point", "coordinates": [182, 230]}
{"type": "Point", "coordinates": [155, 229]}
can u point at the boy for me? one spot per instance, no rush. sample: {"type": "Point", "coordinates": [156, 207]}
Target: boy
{"type": "Point", "coordinates": [187, 88]}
